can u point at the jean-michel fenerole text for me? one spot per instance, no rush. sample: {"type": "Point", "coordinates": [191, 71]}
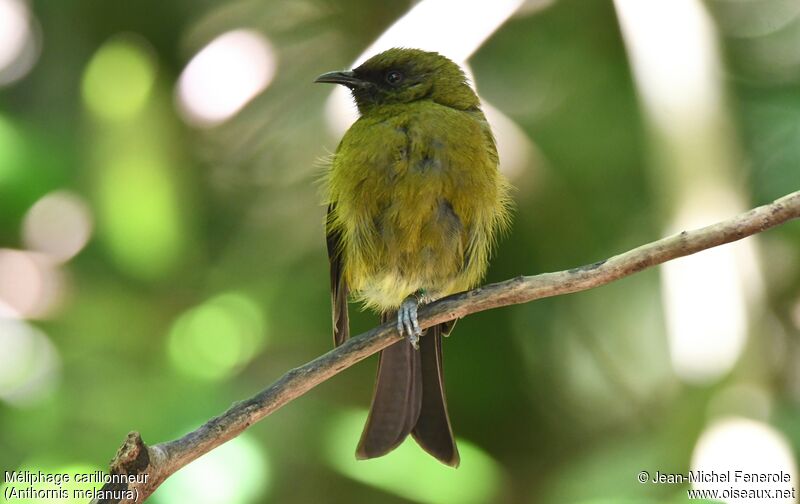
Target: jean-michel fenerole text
{"type": "Point", "coordinates": [730, 476]}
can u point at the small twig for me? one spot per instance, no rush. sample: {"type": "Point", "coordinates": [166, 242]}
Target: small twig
{"type": "Point", "coordinates": [154, 464]}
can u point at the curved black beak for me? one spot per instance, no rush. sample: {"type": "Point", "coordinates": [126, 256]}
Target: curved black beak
{"type": "Point", "coordinates": [347, 78]}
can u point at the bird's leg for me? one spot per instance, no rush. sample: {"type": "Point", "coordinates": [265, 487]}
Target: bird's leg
{"type": "Point", "coordinates": [407, 318]}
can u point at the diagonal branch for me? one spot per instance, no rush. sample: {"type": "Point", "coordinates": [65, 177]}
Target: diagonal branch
{"type": "Point", "coordinates": [149, 466]}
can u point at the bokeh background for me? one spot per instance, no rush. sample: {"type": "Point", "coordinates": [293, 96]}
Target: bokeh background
{"type": "Point", "coordinates": [162, 250]}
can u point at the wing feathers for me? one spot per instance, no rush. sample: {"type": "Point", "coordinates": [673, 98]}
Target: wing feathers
{"type": "Point", "coordinates": [339, 289]}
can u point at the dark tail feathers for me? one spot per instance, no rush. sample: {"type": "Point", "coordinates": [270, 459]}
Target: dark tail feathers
{"type": "Point", "coordinates": [409, 398]}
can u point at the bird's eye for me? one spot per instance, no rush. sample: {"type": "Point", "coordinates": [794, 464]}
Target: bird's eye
{"type": "Point", "coordinates": [394, 77]}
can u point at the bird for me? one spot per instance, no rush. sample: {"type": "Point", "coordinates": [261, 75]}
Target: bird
{"type": "Point", "coordinates": [415, 205]}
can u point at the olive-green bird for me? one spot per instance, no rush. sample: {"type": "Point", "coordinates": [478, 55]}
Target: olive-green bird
{"type": "Point", "coordinates": [415, 204]}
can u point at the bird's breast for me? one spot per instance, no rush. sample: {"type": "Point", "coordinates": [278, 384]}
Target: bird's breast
{"type": "Point", "coordinates": [412, 194]}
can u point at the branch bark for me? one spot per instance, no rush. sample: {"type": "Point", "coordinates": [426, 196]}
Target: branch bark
{"type": "Point", "coordinates": [149, 466]}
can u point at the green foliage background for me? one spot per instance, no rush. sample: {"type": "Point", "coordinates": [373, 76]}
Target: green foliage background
{"type": "Point", "coordinates": [206, 277]}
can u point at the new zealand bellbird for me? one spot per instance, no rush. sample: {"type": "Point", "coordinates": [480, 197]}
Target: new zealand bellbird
{"type": "Point", "coordinates": [415, 203]}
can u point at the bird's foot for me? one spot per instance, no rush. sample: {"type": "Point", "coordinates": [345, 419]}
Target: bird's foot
{"type": "Point", "coordinates": [407, 320]}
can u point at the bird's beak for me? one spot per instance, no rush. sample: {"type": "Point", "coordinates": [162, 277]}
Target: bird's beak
{"type": "Point", "coordinates": [347, 78]}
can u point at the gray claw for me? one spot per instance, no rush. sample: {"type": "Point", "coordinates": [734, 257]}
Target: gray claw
{"type": "Point", "coordinates": [407, 322]}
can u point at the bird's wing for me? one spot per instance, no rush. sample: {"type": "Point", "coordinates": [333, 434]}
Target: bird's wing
{"type": "Point", "coordinates": [339, 290]}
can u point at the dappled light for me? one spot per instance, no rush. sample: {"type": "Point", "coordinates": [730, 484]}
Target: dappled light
{"type": "Point", "coordinates": [19, 40]}
{"type": "Point", "coordinates": [119, 78]}
{"type": "Point", "coordinates": [59, 225]}
{"type": "Point", "coordinates": [164, 247]}
{"type": "Point", "coordinates": [479, 480]}
{"type": "Point", "coordinates": [217, 338]}
{"type": "Point", "coordinates": [31, 285]}
{"type": "Point", "coordinates": [30, 366]}
{"type": "Point", "coordinates": [224, 76]}
{"type": "Point", "coordinates": [704, 296]}
{"type": "Point", "coordinates": [237, 473]}
{"type": "Point", "coordinates": [745, 448]}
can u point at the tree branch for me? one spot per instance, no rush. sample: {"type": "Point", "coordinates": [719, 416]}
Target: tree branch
{"type": "Point", "coordinates": [151, 465]}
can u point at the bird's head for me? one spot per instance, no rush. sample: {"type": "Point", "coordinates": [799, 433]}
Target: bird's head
{"type": "Point", "coordinates": [405, 75]}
